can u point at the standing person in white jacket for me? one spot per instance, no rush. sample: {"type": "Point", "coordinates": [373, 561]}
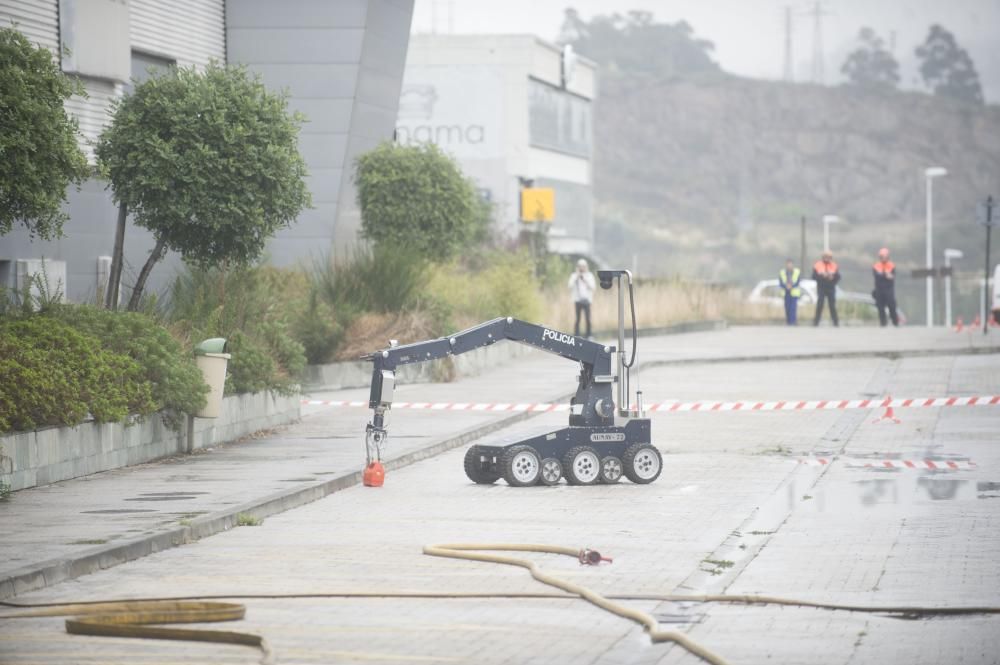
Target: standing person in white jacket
{"type": "Point", "coordinates": [581, 284]}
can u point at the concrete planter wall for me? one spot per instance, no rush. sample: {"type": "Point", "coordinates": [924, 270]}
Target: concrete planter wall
{"type": "Point", "coordinates": [60, 453]}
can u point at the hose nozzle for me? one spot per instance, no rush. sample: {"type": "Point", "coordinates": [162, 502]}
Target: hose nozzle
{"type": "Point", "coordinates": [592, 558]}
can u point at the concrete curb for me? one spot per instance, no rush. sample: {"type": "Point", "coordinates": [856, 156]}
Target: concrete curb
{"type": "Point", "coordinates": [47, 573]}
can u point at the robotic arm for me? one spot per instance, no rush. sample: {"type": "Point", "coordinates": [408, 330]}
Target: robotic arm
{"type": "Point", "coordinates": [592, 404]}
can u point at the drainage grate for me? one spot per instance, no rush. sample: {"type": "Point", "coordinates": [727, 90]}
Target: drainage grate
{"type": "Point", "coordinates": [679, 613]}
{"type": "Point", "coordinates": [161, 498]}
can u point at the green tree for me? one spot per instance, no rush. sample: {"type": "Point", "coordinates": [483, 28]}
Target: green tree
{"type": "Point", "coordinates": [870, 66]}
{"type": "Point", "coordinates": [208, 161]}
{"type": "Point", "coordinates": [39, 154]}
{"type": "Point", "coordinates": [416, 197]}
{"type": "Point", "coordinates": [635, 43]}
{"type": "Point", "coordinates": [947, 68]}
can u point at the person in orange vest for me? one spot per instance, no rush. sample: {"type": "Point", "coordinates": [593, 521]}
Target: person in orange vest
{"type": "Point", "coordinates": [826, 274]}
{"type": "Point", "coordinates": [788, 279]}
{"type": "Point", "coordinates": [884, 272]}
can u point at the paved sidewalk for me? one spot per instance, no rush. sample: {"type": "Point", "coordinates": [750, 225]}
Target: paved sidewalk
{"type": "Point", "coordinates": [71, 528]}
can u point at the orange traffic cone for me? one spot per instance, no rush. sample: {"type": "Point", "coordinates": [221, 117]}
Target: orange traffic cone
{"type": "Point", "coordinates": [374, 475]}
{"type": "Point", "coordinates": [958, 325]}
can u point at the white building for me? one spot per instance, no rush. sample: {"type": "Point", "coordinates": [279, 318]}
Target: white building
{"type": "Point", "coordinates": [512, 109]}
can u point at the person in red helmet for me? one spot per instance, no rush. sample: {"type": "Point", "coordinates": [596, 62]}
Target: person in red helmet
{"type": "Point", "coordinates": [827, 274]}
{"type": "Point", "coordinates": [884, 272]}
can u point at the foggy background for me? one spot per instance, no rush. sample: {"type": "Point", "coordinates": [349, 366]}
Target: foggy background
{"type": "Point", "coordinates": [749, 35]}
{"type": "Point", "coordinates": [705, 163]}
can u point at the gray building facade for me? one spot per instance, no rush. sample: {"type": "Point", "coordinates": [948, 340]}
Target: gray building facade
{"type": "Point", "coordinates": [340, 62]}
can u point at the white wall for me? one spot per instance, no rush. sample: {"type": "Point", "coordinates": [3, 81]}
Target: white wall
{"type": "Point", "coordinates": [473, 81]}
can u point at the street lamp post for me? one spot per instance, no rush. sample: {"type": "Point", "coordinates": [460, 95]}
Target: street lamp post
{"type": "Point", "coordinates": [827, 221]}
{"type": "Point", "coordinates": [931, 173]}
{"type": "Point", "coordinates": [949, 254]}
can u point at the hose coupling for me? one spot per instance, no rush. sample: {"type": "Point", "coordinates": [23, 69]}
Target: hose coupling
{"type": "Point", "coordinates": [592, 558]}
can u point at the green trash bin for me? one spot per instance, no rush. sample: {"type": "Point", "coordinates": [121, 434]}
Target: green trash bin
{"type": "Point", "coordinates": [212, 358]}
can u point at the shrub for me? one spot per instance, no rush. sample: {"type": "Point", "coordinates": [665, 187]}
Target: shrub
{"type": "Point", "coordinates": [56, 375]}
{"type": "Point", "coordinates": [251, 368]}
{"type": "Point", "coordinates": [416, 197]}
{"type": "Point", "coordinates": [386, 278]}
{"type": "Point", "coordinates": [554, 271]}
{"type": "Point", "coordinates": [253, 308]}
{"type": "Point", "coordinates": [373, 331]}
{"type": "Point", "coordinates": [505, 285]}
{"type": "Point", "coordinates": [175, 380]}
{"type": "Point", "coordinates": [315, 327]}
{"type": "Point", "coordinates": [32, 296]}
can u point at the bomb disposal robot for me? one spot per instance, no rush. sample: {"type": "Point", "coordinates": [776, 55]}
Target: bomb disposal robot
{"type": "Point", "coordinates": [605, 439]}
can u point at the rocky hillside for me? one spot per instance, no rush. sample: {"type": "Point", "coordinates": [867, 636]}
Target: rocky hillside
{"type": "Point", "coordinates": [709, 176]}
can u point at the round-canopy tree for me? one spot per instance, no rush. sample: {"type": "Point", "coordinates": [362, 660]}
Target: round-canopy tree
{"type": "Point", "coordinates": [208, 161]}
{"type": "Point", "coordinates": [871, 66]}
{"type": "Point", "coordinates": [947, 68]}
{"type": "Point", "coordinates": [39, 154]}
{"type": "Point", "coordinates": [416, 197]}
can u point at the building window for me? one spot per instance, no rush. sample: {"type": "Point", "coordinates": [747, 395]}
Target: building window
{"type": "Point", "coordinates": [145, 65]}
{"type": "Point", "coordinates": [559, 120]}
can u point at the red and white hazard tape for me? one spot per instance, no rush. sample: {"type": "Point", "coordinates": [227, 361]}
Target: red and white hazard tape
{"type": "Point", "coordinates": [821, 405]}
{"type": "Point", "coordinates": [867, 463]}
{"type": "Point", "coordinates": [816, 405]}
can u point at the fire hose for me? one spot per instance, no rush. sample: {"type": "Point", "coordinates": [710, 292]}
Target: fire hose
{"type": "Point", "coordinates": [132, 618]}
{"type": "Point", "coordinates": [652, 626]}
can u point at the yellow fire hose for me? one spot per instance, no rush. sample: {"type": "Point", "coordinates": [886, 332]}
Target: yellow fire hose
{"type": "Point", "coordinates": [132, 618]}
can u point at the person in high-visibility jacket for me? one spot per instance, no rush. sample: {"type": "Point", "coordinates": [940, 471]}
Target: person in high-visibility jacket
{"type": "Point", "coordinates": [788, 278]}
{"type": "Point", "coordinates": [827, 274]}
{"type": "Point", "coordinates": [884, 272]}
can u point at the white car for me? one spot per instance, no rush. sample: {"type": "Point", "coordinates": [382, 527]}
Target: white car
{"type": "Point", "coordinates": [769, 292]}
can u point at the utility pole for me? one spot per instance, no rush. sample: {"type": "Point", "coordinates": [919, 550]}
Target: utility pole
{"type": "Point", "coordinates": [986, 276]}
{"type": "Point", "coordinates": [817, 13]}
{"type": "Point", "coordinates": [802, 249]}
{"type": "Point", "coordinates": [930, 173]}
{"type": "Point", "coordinates": [789, 68]}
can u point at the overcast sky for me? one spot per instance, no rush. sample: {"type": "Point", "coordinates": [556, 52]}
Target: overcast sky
{"type": "Point", "coordinates": [749, 34]}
